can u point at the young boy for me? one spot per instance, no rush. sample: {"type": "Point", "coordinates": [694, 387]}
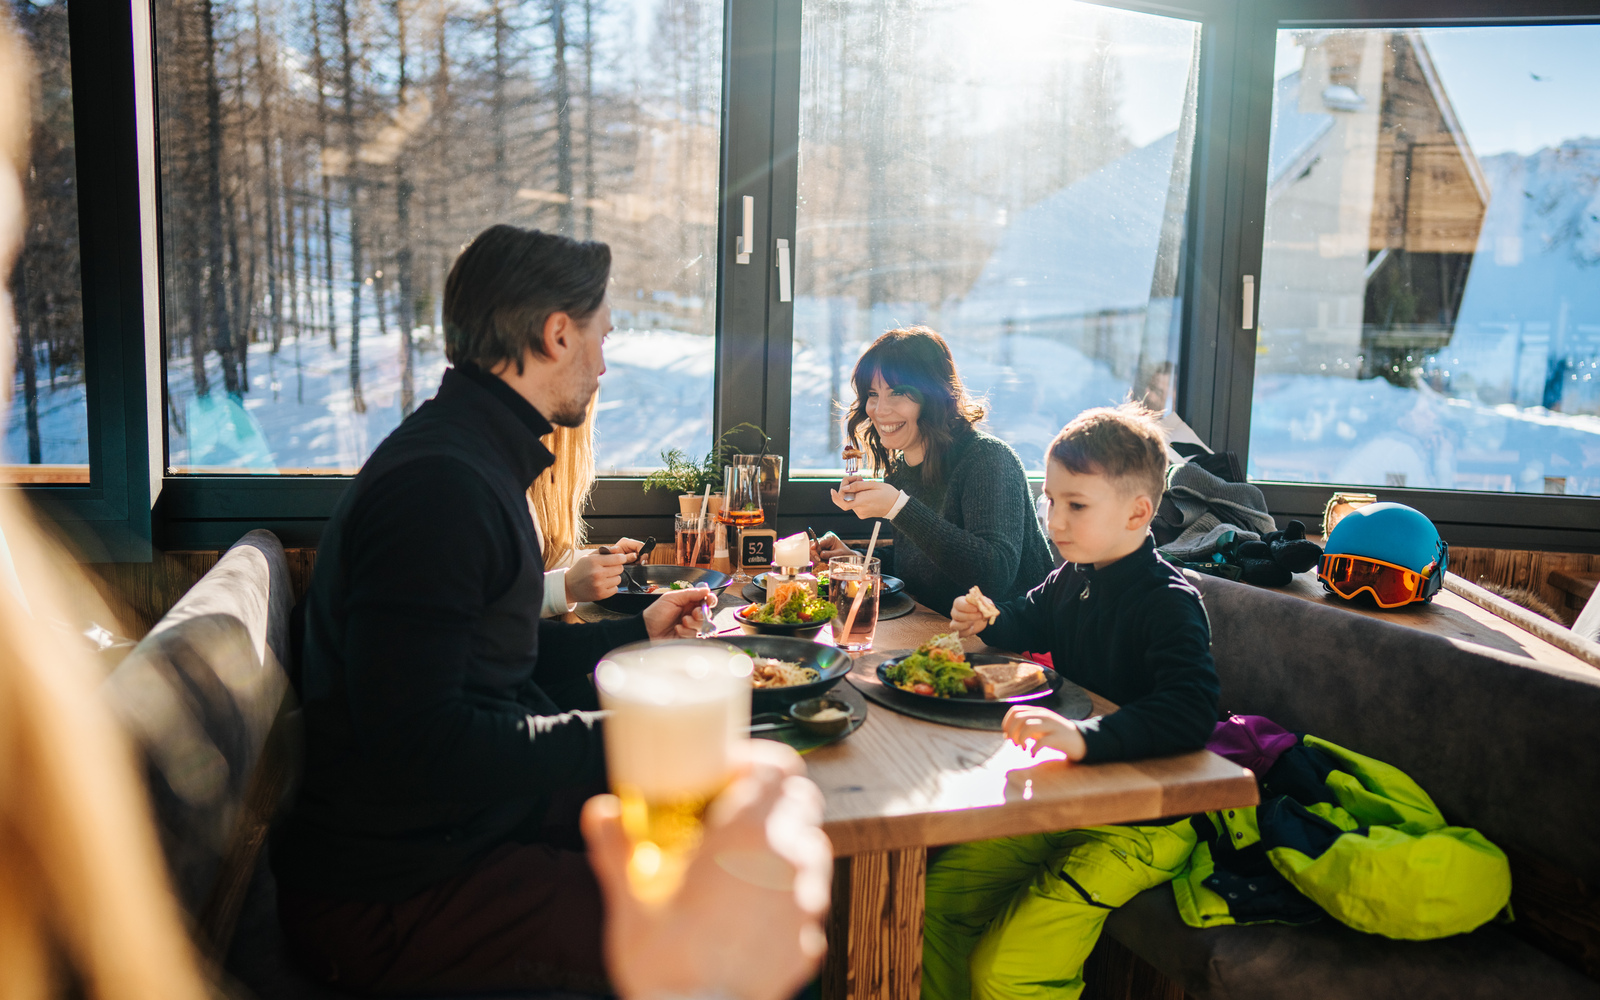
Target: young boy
{"type": "Point", "coordinates": [1018, 916]}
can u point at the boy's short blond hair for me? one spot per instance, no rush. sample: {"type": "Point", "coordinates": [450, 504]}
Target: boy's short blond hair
{"type": "Point", "coordinates": [1123, 443]}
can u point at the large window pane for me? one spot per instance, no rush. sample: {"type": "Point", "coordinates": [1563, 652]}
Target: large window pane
{"type": "Point", "coordinates": [1430, 306]}
{"type": "Point", "coordinates": [323, 161]}
{"type": "Point", "coordinates": [1013, 174]}
{"type": "Point", "coordinates": [47, 423]}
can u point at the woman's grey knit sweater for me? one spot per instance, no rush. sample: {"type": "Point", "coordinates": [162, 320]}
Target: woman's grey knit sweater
{"type": "Point", "coordinates": [977, 526]}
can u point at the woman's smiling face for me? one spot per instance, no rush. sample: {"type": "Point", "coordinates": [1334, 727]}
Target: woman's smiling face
{"type": "Point", "coordinates": [893, 414]}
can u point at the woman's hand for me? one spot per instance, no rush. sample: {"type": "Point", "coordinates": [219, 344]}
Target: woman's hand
{"type": "Point", "coordinates": [747, 921]}
{"type": "Point", "coordinates": [827, 547]}
{"type": "Point", "coordinates": [866, 498]}
{"type": "Point", "coordinates": [595, 577]}
{"type": "Point", "coordinates": [1040, 727]}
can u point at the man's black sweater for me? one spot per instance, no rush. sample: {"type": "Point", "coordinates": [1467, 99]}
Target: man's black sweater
{"type": "Point", "coordinates": [432, 734]}
{"type": "Point", "coordinates": [1135, 632]}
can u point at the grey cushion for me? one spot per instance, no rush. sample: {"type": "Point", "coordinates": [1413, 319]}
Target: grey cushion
{"type": "Point", "coordinates": [198, 696]}
{"type": "Point", "coordinates": [1329, 961]}
{"type": "Point", "coordinates": [1502, 743]}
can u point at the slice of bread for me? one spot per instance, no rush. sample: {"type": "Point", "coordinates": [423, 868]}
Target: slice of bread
{"type": "Point", "coordinates": [982, 604]}
{"type": "Point", "coordinates": [1004, 680]}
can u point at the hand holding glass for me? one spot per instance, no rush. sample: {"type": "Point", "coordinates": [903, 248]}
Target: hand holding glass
{"type": "Point", "coordinates": [678, 709]}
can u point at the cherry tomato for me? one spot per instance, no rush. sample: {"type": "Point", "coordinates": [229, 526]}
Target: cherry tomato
{"type": "Point", "coordinates": [922, 689]}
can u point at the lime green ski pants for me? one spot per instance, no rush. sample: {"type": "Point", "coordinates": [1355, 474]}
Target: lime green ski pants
{"type": "Point", "coordinates": [1016, 917]}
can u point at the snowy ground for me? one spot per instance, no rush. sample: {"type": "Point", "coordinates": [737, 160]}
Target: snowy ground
{"type": "Point", "coordinates": [298, 416]}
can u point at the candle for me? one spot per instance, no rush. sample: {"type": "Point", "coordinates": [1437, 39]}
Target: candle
{"type": "Point", "coordinates": [793, 551]}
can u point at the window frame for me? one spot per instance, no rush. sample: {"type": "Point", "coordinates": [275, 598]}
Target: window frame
{"type": "Point", "coordinates": [114, 91]}
{"type": "Point", "coordinates": [1491, 520]}
{"type": "Point", "coordinates": [110, 519]}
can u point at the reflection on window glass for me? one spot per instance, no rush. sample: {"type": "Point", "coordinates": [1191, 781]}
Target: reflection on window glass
{"type": "Point", "coordinates": [323, 162]}
{"type": "Point", "coordinates": [1013, 174]}
{"type": "Point", "coordinates": [47, 424]}
{"type": "Point", "coordinates": [1430, 305]}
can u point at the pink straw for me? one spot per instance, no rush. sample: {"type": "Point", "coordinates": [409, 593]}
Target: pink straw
{"type": "Point", "coordinates": [861, 591]}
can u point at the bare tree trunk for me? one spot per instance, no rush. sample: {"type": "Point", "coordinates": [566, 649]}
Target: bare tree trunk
{"type": "Point", "coordinates": [588, 120]}
{"type": "Point", "coordinates": [266, 85]}
{"type": "Point", "coordinates": [558, 24]}
{"type": "Point", "coordinates": [406, 315]}
{"type": "Point", "coordinates": [327, 196]}
{"type": "Point", "coordinates": [352, 186]}
{"type": "Point", "coordinates": [214, 248]}
{"type": "Point", "coordinates": [30, 364]}
{"type": "Point", "coordinates": [497, 110]}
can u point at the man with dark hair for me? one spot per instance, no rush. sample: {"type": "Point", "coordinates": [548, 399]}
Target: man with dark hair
{"type": "Point", "coordinates": [450, 733]}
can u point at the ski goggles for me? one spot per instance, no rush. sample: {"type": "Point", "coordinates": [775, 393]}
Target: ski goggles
{"type": "Point", "coordinates": [1389, 585]}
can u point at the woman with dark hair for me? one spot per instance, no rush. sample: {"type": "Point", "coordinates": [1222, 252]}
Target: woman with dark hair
{"type": "Point", "coordinates": [958, 498]}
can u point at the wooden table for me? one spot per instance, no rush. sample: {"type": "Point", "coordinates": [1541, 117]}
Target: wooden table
{"type": "Point", "coordinates": [899, 786]}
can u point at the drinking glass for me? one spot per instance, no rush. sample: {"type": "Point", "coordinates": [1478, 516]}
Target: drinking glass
{"type": "Point", "coordinates": [771, 481]}
{"type": "Point", "coordinates": [854, 586]}
{"type": "Point", "coordinates": [678, 710]}
{"type": "Point", "coordinates": [695, 539]}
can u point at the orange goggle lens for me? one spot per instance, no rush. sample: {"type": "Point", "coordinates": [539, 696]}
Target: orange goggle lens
{"type": "Point", "coordinates": [1390, 585]}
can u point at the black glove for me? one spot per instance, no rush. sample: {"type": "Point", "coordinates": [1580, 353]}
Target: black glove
{"type": "Point", "coordinates": [1291, 550]}
{"type": "Point", "coordinates": [1256, 565]}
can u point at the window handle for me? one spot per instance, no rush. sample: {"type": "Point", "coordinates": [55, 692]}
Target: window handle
{"type": "Point", "coordinates": [1249, 309]}
{"type": "Point", "coordinates": [747, 237]}
{"type": "Point", "coordinates": [784, 291]}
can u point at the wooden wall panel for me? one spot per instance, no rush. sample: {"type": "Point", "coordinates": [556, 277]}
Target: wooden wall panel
{"type": "Point", "coordinates": [1518, 568]}
{"type": "Point", "coordinates": [140, 593]}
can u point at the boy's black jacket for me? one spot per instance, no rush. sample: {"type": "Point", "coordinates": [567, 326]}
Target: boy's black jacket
{"type": "Point", "coordinates": [1134, 632]}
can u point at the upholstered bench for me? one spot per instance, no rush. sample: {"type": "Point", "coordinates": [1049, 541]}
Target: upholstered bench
{"type": "Point", "coordinates": [206, 698]}
{"type": "Point", "coordinates": [1502, 743]}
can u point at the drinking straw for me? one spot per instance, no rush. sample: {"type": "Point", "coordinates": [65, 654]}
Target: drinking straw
{"type": "Point", "coordinates": [699, 525]}
{"type": "Point", "coordinates": [861, 589]}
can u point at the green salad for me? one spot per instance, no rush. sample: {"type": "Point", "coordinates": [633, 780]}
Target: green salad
{"type": "Point", "coordinates": [938, 667]}
{"type": "Point", "coordinates": [792, 604]}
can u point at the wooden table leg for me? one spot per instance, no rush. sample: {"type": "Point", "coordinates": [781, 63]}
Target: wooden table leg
{"type": "Point", "coordinates": [875, 929]}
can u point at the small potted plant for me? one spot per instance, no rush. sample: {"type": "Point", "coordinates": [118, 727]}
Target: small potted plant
{"type": "Point", "coordinates": [689, 479]}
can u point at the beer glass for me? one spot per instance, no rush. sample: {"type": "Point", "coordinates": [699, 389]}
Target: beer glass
{"type": "Point", "coordinates": [678, 709]}
{"type": "Point", "coordinates": [854, 584]}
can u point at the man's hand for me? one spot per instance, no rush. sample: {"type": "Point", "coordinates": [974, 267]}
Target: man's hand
{"type": "Point", "coordinates": [866, 498]}
{"type": "Point", "coordinates": [747, 922]}
{"type": "Point", "coordinates": [676, 613]}
{"type": "Point", "coordinates": [1031, 728]}
{"type": "Point", "coordinates": [828, 546]}
{"type": "Point", "coordinates": [967, 619]}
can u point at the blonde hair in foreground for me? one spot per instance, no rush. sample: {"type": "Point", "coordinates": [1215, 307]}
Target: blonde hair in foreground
{"type": "Point", "coordinates": [560, 493]}
{"type": "Point", "coordinates": [81, 877]}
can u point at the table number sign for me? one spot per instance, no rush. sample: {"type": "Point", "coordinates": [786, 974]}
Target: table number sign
{"type": "Point", "coordinates": [756, 546]}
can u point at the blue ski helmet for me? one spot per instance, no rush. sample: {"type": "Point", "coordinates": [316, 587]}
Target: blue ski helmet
{"type": "Point", "coordinates": [1392, 533]}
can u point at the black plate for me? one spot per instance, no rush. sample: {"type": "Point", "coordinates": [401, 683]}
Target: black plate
{"type": "Point", "coordinates": [975, 699]}
{"type": "Point", "coordinates": [891, 584]}
{"type": "Point", "coordinates": [799, 630]}
{"type": "Point", "coordinates": [629, 603]}
{"type": "Point", "coordinates": [830, 662]}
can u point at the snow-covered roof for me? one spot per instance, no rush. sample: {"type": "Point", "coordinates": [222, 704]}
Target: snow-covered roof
{"type": "Point", "coordinates": [1088, 248]}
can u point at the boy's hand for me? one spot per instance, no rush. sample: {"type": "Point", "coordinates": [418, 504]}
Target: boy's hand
{"type": "Point", "coordinates": [1040, 727]}
{"type": "Point", "coordinates": [967, 619]}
